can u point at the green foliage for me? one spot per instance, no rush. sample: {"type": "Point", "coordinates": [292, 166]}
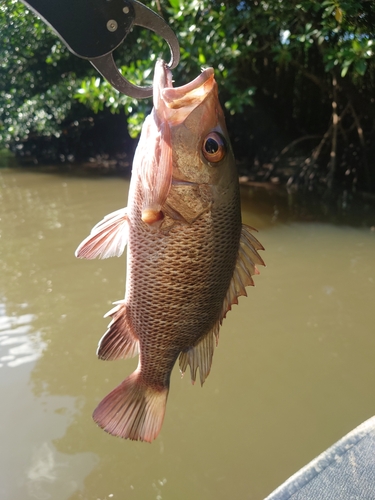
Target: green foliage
{"type": "Point", "coordinates": [98, 94]}
{"type": "Point", "coordinates": [231, 36]}
{"type": "Point", "coordinates": [38, 79]}
{"type": "Point", "coordinates": [285, 53]}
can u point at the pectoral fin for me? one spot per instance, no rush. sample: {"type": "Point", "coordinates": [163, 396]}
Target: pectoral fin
{"type": "Point", "coordinates": [108, 237]}
{"type": "Point", "coordinates": [153, 166]}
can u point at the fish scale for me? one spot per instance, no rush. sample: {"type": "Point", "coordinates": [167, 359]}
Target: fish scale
{"type": "Point", "coordinates": [189, 255]}
{"type": "Point", "coordinates": [196, 304]}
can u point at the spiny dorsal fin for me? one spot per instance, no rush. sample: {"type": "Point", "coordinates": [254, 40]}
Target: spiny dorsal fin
{"type": "Point", "coordinates": [245, 268]}
{"type": "Point", "coordinates": [108, 237]}
{"type": "Point", "coordinates": [118, 342]}
{"type": "Point", "coordinates": [200, 356]}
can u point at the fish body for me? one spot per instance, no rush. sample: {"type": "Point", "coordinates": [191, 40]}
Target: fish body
{"type": "Point", "coordinates": [189, 255]}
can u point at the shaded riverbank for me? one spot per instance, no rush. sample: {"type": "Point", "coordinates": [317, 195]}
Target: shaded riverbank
{"type": "Point", "coordinates": [337, 205]}
{"type": "Point", "coordinates": [291, 173]}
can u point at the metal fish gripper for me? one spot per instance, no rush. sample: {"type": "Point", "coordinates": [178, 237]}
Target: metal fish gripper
{"type": "Point", "coordinates": [93, 29]}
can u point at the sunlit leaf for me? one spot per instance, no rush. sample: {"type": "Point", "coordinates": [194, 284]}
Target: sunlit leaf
{"type": "Point", "coordinates": [344, 71]}
{"type": "Point", "coordinates": [175, 3]}
{"type": "Point", "coordinates": [338, 14]}
{"type": "Point", "coordinates": [202, 58]}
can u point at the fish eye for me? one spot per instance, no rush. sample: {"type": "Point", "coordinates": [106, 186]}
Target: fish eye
{"type": "Point", "coordinates": [214, 148]}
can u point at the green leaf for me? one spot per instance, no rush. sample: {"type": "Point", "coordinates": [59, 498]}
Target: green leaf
{"type": "Point", "coordinates": [339, 15]}
{"type": "Point", "coordinates": [344, 71]}
{"type": "Point", "coordinates": [202, 58]}
{"type": "Point", "coordinates": [175, 3]}
{"type": "Point", "coordinates": [360, 66]}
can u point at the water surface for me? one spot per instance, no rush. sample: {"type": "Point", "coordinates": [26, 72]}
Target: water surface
{"type": "Point", "coordinates": [294, 370]}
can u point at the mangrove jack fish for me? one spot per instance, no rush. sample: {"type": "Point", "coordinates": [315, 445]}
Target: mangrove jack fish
{"type": "Point", "coordinates": [189, 255]}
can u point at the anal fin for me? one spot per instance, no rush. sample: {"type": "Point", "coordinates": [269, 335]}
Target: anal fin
{"type": "Point", "coordinates": [108, 237]}
{"type": "Point", "coordinates": [118, 342]}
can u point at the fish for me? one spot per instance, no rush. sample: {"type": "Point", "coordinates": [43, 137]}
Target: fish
{"type": "Point", "coordinates": [189, 256]}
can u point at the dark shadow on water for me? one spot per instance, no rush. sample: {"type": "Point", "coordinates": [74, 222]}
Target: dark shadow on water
{"type": "Point", "coordinates": [278, 206]}
{"type": "Point", "coordinates": [89, 170]}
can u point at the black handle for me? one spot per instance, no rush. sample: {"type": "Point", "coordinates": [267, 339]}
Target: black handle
{"type": "Point", "coordinates": [89, 28]}
{"type": "Point", "coordinates": [93, 29]}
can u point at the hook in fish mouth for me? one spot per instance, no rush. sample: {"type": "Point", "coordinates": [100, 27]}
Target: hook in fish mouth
{"type": "Point", "coordinates": [174, 104]}
{"type": "Point", "coordinates": [177, 97]}
{"type": "Point", "coordinates": [146, 18]}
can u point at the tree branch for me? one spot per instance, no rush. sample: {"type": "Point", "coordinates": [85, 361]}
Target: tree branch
{"type": "Point", "coordinates": [318, 81]}
{"type": "Point", "coordinates": [335, 122]}
{"type": "Point", "coordinates": [362, 142]}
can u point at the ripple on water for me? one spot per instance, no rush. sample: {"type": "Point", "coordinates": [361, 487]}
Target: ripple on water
{"type": "Point", "coordinates": [19, 344]}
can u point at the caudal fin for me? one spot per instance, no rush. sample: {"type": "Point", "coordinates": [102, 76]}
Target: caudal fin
{"type": "Point", "coordinates": [133, 410]}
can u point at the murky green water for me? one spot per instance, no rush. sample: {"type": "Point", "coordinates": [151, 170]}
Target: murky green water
{"type": "Point", "coordinates": [294, 370]}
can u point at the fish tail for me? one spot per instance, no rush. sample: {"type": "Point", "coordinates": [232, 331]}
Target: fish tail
{"type": "Point", "coordinates": [133, 410]}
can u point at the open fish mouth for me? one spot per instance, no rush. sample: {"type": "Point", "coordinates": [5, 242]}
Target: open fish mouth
{"type": "Point", "coordinates": [176, 103]}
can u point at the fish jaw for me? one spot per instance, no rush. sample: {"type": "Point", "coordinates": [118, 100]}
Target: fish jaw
{"type": "Point", "coordinates": [175, 104]}
{"type": "Point", "coordinates": [191, 113]}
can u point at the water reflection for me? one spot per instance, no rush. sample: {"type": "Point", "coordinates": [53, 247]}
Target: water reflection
{"type": "Point", "coordinates": [276, 206]}
{"type": "Point", "coordinates": [54, 475]}
{"type": "Point", "coordinates": [293, 371]}
{"type": "Point", "coordinates": [37, 405]}
{"type": "Point", "coordinates": [17, 344]}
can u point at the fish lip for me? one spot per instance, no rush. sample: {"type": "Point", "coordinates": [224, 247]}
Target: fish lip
{"type": "Point", "coordinates": [162, 80]}
{"type": "Point", "coordinates": [192, 93]}
{"type": "Point", "coordinates": [175, 98]}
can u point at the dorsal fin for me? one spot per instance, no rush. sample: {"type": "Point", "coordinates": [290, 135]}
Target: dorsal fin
{"type": "Point", "coordinates": [108, 237]}
{"type": "Point", "coordinates": [200, 355]}
{"type": "Point", "coordinates": [244, 269]}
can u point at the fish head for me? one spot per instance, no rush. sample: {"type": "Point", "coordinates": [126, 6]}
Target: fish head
{"type": "Point", "coordinates": [201, 150]}
{"type": "Point", "coordinates": [184, 142]}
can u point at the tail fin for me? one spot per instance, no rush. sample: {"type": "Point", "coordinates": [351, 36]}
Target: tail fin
{"type": "Point", "coordinates": [133, 410]}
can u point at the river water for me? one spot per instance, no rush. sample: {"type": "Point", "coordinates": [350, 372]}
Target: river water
{"type": "Point", "coordinates": [294, 370]}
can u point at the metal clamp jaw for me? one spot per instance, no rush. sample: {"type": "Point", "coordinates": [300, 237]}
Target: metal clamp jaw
{"type": "Point", "coordinates": [93, 29]}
